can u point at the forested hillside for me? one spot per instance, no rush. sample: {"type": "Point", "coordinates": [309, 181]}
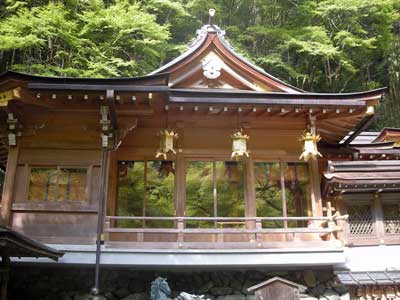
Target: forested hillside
{"type": "Point", "coordinates": [324, 46]}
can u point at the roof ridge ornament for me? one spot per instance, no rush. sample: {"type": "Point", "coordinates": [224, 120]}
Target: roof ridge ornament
{"type": "Point", "coordinates": [211, 14]}
{"type": "Point", "coordinates": [210, 27]}
{"type": "Point", "coordinates": [202, 32]}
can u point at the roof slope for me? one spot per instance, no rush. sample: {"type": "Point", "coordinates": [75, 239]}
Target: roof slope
{"type": "Point", "coordinates": [211, 50]}
{"type": "Point", "coordinates": [14, 244]}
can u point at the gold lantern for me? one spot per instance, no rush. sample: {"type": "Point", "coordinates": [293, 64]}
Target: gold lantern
{"type": "Point", "coordinates": [239, 145]}
{"type": "Point", "coordinates": [310, 149]}
{"type": "Point", "coordinates": [166, 143]}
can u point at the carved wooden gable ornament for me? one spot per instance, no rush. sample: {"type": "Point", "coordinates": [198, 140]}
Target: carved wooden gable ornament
{"type": "Point", "coordinates": [277, 288]}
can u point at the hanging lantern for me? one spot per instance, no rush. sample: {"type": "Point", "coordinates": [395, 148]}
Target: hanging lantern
{"type": "Point", "coordinates": [166, 143]}
{"type": "Point", "coordinates": [239, 145]}
{"type": "Point", "coordinates": [310, 149]}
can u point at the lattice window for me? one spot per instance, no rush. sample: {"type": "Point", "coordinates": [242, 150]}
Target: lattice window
{"type": "Point", "coordinates": [391, 218]}
{"type": "Point", "coordinates": [361, 221]}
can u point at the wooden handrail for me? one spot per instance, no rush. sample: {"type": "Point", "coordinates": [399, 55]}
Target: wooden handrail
{"type": "Point", "coordinates": [257, 229]}
{"type": "Point", "coordinates": [139, 218]}
{"type": "Point", "coordinates": [220, 230]}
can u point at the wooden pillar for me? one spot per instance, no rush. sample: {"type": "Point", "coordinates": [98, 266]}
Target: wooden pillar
{"type": "Point", "coordinates": [283, 192]}
{"type": "Point", "coordinates": [9, 183]}
{"type": "Point", "coordinates": [111, 205]}
{"type": "Point", "coordinates": [341, 208]}
{"type": "Point", "coordinates": [249, 192]}
{"type": "Point", "coordinates": [315, 188]}
{"type": "Point", "coordinates": [378, 215]}
{"type": "Point", "coordinates": [180, 185]}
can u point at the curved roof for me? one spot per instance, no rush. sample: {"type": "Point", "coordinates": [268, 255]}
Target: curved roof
{"type": "Point", "coordinates": [211, 36]}
{"type": "Point", "coordinates": [15, 244]}
{"type": "Point", "coordinates": [159, 79]}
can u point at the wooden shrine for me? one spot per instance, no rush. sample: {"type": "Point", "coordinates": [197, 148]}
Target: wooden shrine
{"type": "Point", "coordinates": [277, 288]}
{"type": "Point", "coordinates": [209, 151]}
{"type": "Point", "coordinates": [208, 161]}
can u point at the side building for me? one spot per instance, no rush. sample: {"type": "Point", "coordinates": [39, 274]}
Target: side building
{"type": "Point", "coordinates": [209, 171]}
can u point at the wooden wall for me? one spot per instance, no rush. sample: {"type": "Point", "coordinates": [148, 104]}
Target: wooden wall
{"type": "Point", "coordinates": [58, 139]}
{"type": "Point", "coordinates": [71, 138]}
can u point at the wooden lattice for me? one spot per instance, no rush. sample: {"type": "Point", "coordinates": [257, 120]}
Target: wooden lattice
{"type": "Point", "coordinates": [391, 218]}
{"type": "Point", "coordinates": [360, 220]}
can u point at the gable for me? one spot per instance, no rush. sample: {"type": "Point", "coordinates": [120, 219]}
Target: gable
{"type": "Point", "coordinates": [211, 62]}
{"type": "Point", "coordinates": [389, 135]}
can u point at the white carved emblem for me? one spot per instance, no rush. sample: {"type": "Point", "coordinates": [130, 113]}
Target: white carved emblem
{"type": "Point", "coordinates": [212, 66]}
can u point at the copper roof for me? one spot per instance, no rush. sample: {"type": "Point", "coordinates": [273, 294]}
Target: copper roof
{"type": "Point", "coordinates": [360, 176]}
{"type": "Point", "coordinates": [14, 244]}
{"type": "Point", "coordinates": [369, 278]}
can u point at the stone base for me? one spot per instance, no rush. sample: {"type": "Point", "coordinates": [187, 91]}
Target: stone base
{"type": "Point", "coordinates": [74, 283]}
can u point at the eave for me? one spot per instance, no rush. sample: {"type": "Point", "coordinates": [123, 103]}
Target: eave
{"type": "Point", "coordinates": [361, 176]}
{"type": "Point", "coordinates": [96, 87]}
{"type": "Point", "coordinates": [220, 96]}
{"type": "Point", "coordinates": [160, 79]}
{"type": "Point", "coordinates": [386, 133]}
{"type": "Point", "coordinates": [14, 244]}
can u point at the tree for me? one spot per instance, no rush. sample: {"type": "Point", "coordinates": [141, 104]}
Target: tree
{"type": "Point", "coordinates": [323, 46]}
{"type": "Point", "coordinates": [88, 39]}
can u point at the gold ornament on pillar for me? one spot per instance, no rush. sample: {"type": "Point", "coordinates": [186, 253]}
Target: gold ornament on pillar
{"type": "Point", "coordinates": [239, 145]}
{"type": "Point", "coordinates": [166, 143]}
{"type": "Point", "coordinates": [310, 149]}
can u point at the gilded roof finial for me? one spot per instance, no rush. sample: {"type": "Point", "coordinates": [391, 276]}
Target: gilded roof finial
{"type": "Point", "coordinates": [211, 14]}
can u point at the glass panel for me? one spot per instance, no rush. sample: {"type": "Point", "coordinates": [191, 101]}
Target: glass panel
{"type": "Point", "coordinates": [130, 192]}
{"type": "Point", "coordinates": [71, 184]}
{"type": "Point", "coordinates": [199, 192]}
{"type": "Point", "coordinates": [297, 191]}
{"type": "Point", "coordinates": [230, 194]}
{"type": "Point", "coordinates": [268, 192]}
{"type": "Point", "coordinates": [43, 184]}
{"type": "Point", "coordinates": [160, 192]}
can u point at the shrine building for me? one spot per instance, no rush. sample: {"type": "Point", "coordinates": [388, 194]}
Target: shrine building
{"type": "Point", "coordinates": [207, 165]}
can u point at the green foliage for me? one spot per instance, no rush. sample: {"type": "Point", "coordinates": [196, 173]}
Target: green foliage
{"type": "Point", "coordinates": [324, 46]}
{"type": "Point", "coordinates": [87, 39]}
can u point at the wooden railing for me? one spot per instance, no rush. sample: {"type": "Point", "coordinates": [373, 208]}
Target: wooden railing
{"type": "Point", "coordinates": [323, 227]}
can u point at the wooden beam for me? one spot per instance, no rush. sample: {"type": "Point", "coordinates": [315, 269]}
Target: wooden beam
{"type": "Point", "coordinates": [111, 105]}
{"type": "Point", "coordinates": [9, 182]}
{"type": "Point", "coordinates": [360, 127]}
{"type": "Point", "coordinates": [97, 87]}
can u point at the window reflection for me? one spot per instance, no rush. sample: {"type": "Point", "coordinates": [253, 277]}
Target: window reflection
{"type": "Point", "coordinates": [146, 188]}
{"type": "Point", "coordinates": [57, 184]}
{"type": "Point", "coordinates": [297, 191]}
{"type": "Point", "coordinates": [202, 177]}
{"type": "Point", "coordinates": [269, 192]}
{"type": "Point", "coordinates": [230, 195]}
{"type": "Point", "coordinates": [199, 192]}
